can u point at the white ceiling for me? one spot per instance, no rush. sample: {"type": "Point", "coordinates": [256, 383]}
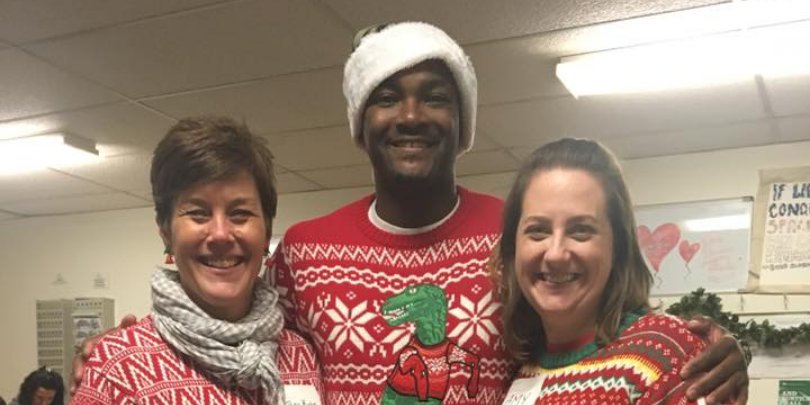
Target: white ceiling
{"type": "Point", "coordinates": [121, 72]}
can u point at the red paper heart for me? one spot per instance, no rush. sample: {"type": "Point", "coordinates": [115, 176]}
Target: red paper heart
{"type": "Point", "coordinates": [659, 243]}
{"type": "Point", "coordinates": [688, 250]}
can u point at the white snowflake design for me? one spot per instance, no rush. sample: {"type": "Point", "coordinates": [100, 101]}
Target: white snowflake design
{"type": "Point", "coordinates": [475, 318]}
{"type": "Point", "coordinates": [350, 324]}
{"type": "Point", "coordinates": [399, 337]}
{"type": "Point", "coordinates": [312, 322]}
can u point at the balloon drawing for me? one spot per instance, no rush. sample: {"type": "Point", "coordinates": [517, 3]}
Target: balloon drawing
{"type": "Point", "coordinates": [687, 251]}
{"type": "Point", "coordinates": [657, 244]}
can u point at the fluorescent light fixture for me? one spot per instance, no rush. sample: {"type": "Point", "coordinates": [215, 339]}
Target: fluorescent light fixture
{"type": "Point", "coordinates": [765, 43]}
{"type": "Point", "coordinates": [39, 151]}
{"type": "Point", "coordinates": [17, 129]}
{"type": "Point", "coordinates": [724, 223]}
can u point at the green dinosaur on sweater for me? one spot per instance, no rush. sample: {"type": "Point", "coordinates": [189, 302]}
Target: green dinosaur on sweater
{"type": "Point", "coordinates": [421, 375]}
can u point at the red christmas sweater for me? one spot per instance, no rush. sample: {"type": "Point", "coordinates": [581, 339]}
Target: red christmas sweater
{"type": "Point", "coordinates": [376, 302]}
{"type": "Point", "coordinates": [136, 366]}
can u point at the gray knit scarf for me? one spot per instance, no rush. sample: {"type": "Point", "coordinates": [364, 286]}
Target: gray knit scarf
{"type": "Point", "coordinates": [241, 353]}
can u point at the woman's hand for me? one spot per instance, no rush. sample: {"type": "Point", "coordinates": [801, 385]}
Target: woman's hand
{"type": "Point", "coordinates": [720, 372]}
{"type": "Point", "coordinates": [83, 353]}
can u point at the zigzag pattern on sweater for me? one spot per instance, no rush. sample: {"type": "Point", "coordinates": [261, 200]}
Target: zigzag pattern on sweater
{"type": "Point", "coordinates": [444, 250]}
{"type": "Point", "coordinates": [646, 370]}
{"type": "Point", "coordinates": [456, 395]}
{"type": "Point", "coordinates": [616, 383]}
{"type": "Point", "coordinates": [136, 363]}
{"type": "Point", "coordinates": [136, 366]}
{"type": "Point", "coordinates": [295, 360]}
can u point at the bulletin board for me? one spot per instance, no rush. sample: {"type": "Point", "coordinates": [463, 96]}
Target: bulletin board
{"type": "Point", "coordinates": [782, 231]}
{"type": "Point", "coordinates": [696, 244]}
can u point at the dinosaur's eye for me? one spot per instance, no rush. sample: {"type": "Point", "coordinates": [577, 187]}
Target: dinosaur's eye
{"type": "Point", "coordinates": [412, 290]}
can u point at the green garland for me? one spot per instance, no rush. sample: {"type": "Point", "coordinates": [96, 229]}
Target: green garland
{"type": "Point", "coordinates": [749, 333]}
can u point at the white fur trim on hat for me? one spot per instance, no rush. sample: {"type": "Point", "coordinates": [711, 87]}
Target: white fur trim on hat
{"type": "Point", "coordinates": [399, 47]}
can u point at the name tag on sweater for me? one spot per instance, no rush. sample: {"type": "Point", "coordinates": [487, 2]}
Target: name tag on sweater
{"type": "Point", "coordinates": [296, 394]}
{"type": "Point", "coordinates": [524, 391]}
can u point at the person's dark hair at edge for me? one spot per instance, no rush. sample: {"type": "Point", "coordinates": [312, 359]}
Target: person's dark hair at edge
{"type": "Point", "coordinates": [208, 148]}
{"type": "Point", "coordinates": [42, 378]}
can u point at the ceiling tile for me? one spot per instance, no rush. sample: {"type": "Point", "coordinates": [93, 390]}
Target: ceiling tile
{"type": "Point", "coordinates": [530, 123]}
{"type": "Point", "coordinates": [75, 204]}
{"type": "Point", "coordinates": [123, 173]}
{"type": "Point", "coordinates": [214, 46]}
{"type": "Point", "coordinates": [794, 128]}
{"type": "Point", "coordinates": [485, 162]}
{"type": "Point", "coordinates": [44, 184]}
{"type": "Point", "coordinates": [497, 184]}
{"type": "Point", "coordinates": [522, 152]}
{"type": "Point", "coordinates": [696, 140]}
{"type": "Point", "coordinates": [121, 128]}
{"type": "Point", "coordinates": [514, 69]}
{"type": "Point", "coordinates": [475, 21]}
{"type": "Point", "coordinates": [145, 194]}
{"type": "Point", "coordinates": [342, 177]}
{"type": "Point", "coordinates": [525, 67]}
{"type": "Point", "coordinates": [670, 143]}
{"type": "Point", "coordinates": [483, 142]}
{"type": "Point", "coordinates": [525, 123]}
{"type": "Point", "coordinates": [278, 104]}
{"type": "Point", "coordinates": [789, 95]}
{"type": "Point", "coordinates": [30, 86]}
{"type": "Point", "coordinates": [277, 65]}
{"type": "Point", "coordinates": [691, 21]}
{"type": "Point", "coordinates": [7, 215]}
{"type": "Point", "coordinates": [316, 149]}
{"type": "Point", "coordinates": [24, 21]}
{"type": "Point", "coordinates": [618, 115]}
{"type": "Point", "coordinates": [293, 183]}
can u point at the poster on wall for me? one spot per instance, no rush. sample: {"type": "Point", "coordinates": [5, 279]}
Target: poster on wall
{"type": "Point", "coordinates": [794, 392]}
{"type": "Point", "coordinates": [85, 326]}
{"type": "Point", "coordinates": [782, 231]}
{"type": "Point", "coordinates": [696, 244]}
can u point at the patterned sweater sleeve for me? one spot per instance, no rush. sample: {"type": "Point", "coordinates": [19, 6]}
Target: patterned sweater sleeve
{"type": "Point", "coordinates": [280, 275]}
{"type": "Point", "coordinates": [679, 345]}
{"type": "Point", "coordinates": [298, 362]}
{"type": "Point", "coordinates": [97, 389]}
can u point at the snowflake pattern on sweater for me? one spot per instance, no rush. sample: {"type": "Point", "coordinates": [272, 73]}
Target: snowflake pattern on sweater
{"type": "Point", "coordinates": [136, 366]}
{"type": "Point", "coordinates": [336, 272]}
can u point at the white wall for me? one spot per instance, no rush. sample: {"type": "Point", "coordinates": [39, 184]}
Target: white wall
{"type": "Point", "coordinates": [124, 244]}
{"type": "Point", "coordinates": [121, 244]}
{"type": "Point", "coordinates": [715, 175]}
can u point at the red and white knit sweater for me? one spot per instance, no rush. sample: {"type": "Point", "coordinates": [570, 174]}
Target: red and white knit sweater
{"type": "Point", "coordinates": [335, 272]}
{"type": "Point", "coordinates": [640, 367]}
{"type": "Point", "coordinates": [136, 366]}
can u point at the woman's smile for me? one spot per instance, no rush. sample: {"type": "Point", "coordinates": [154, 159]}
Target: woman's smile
{"type": "Point", "coordinates": [557, 277]}
{"type": "Point", "coordinates": [218, 237]}
{"type": "Point", "coordinates": [564, 249]}
{"type": "Point", "coordinates": [222, 263]}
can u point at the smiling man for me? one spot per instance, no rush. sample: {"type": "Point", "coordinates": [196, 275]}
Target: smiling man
{"type": "Point", "coordinates": [393, 289]}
